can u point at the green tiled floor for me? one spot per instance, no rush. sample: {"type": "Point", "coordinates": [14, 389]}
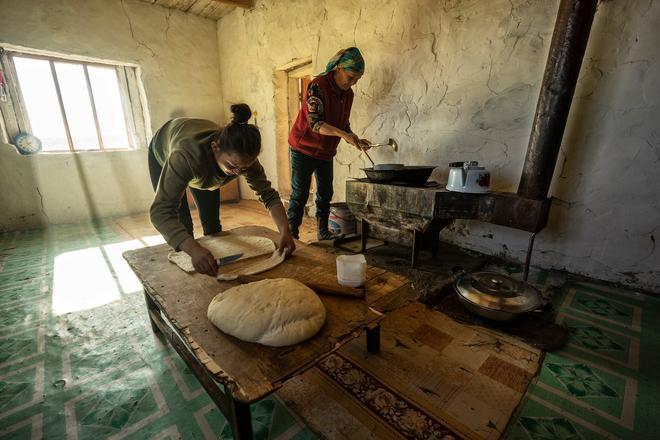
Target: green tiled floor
{"type": "Point", "coordinates": [605, 383]}
{"type": "Point", "coordinates": [77, 355]}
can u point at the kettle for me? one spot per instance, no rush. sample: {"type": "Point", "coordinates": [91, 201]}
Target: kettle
{"type": "Point", "coordinates": [468, 177]}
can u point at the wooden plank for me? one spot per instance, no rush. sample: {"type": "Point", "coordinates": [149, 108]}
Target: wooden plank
{"type": "Point", "coordinates": [246, 4]}
{"type": "Point", "coordinates": [250, 371]}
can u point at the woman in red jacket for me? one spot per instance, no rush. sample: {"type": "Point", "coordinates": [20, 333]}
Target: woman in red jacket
{"type": "Point", "coordinates": [322, 121]}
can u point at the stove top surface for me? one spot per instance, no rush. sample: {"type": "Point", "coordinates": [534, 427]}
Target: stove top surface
{"type": "Point", "coordinates": [428, 184]}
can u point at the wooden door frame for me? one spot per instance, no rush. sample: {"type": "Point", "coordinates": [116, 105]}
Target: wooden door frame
{"type": "Point", "coordinates": [286, 85]}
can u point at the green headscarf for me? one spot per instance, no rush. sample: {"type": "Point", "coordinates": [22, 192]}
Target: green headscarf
{"type": "Point", "coordinates": [349, 59]}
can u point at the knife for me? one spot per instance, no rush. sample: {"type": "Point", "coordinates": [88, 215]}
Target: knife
{"type": "Point", "coordinates": [229, 259]}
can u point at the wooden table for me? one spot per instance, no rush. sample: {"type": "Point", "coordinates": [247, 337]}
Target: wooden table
{"type": "Point", "coordinates": [177, 304]}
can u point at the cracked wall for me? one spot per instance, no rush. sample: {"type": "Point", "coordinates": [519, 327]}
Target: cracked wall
{"type": "Point", "coordinates": [178, 55]}
{"type": "Point", "coordinates": [459, 80]}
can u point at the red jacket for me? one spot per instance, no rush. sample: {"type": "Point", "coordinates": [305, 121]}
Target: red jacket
{"type": "Point", "coordinates": [323, 101]}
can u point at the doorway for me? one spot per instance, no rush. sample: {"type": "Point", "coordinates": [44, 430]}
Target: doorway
{"type": "Point", "coordinates": [291, 81]}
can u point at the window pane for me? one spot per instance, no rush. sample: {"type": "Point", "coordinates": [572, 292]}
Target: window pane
{"type": "Point", "coordinates": [77, 106]}
{"type": "Point", "coordinates": [43, 109]}
{"type": "Point", "coordinates": [108, 106]}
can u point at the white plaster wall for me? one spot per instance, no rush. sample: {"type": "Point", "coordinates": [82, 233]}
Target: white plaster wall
{"type": "Point", "coordinates": [178, 56]}
{"type": "Point", "coordinates": [459, 80]}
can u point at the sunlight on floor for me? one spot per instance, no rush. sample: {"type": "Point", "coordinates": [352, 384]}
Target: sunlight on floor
{"type": "Point", "coordinates": [82, 280]}
{"type": "Point", "coordinates": [128, 282]}
{"type": "Point", "coordinates": [95, 276]}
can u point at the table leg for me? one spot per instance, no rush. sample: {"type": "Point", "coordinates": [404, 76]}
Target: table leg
{"type": "Point", "coordinates": [236, 412]}
{"type": "Point", "coordinates": [153, 308]}
{"type": "Point", "coordinates": [240, 418]}
{"type": "Point", "coordinates": [373, 339]}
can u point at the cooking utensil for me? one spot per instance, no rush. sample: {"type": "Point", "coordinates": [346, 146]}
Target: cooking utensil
{"type": "Point", "coordinates": [468, 177]}
{"type": "Point", "coordinates": [412, 175]}
{"type": "Point", "coordinates": [390, 143]}
{"type": "Point", "coordinates": [382, 166]}
{"type": "Point", "coordinates": [323, 289]}
{"type": "Point", "coordinates": [496, 296]}
{"type": "Point", "coordinates": [368, 157]}
{"type": "Point", "coordinates": [229, 259]}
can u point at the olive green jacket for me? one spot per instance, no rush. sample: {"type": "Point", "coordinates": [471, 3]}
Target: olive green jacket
{"type": "Point", "coordinates": [183, 148]}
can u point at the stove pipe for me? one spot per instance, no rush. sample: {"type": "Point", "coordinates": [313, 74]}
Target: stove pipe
{"type": "Point", "coordinates": [569, 41]}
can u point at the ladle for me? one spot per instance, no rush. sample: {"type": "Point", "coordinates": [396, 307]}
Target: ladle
{"type": "Point", "coordinates": [390, 143]}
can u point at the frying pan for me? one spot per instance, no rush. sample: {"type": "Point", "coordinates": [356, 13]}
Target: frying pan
{"type": "Point", "coordinates": [412, 175]}
{"type": "Point", "coordinates": [382, 166]}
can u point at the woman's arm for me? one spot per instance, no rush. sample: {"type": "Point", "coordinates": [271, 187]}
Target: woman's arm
{"type": "Point", "coordinates": [330, 130]}
{"type": "Point", "coordinates": [259, 183]}
{"type": "Point", "coordinates": [164, 214]}
{"type": "Point", "coordinates": [286, 244]}
{"type": "Point", "coordinates": [316, 115]}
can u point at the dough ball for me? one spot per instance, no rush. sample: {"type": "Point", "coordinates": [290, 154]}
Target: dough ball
{"type": "Point", "coordinates": [274, 312]}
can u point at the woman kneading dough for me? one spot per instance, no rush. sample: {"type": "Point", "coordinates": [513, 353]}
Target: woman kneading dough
{"type": "Point", "coordinates": [199, 154]}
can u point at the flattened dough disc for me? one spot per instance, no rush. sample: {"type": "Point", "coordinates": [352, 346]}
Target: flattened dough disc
{"type": "Point", "coordinates": [224, 246]}
{"type": "Point", "coordinates": [254, 268]}
{"type": "Point", "coordinates": [275, 312]}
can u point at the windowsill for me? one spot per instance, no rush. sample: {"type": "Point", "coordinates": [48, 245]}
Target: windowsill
{"type": "Point", "coordinates": [68, 152]}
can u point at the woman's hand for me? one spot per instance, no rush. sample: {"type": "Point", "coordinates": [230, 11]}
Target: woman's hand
{"type": "Point", "coordinates": [286, 244]}
{"type": "Point", "coordinates": [353, 139]}
{"type": "Point", "coordinates": [202, 259]}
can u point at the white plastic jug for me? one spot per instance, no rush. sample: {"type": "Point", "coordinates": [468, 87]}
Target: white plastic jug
{"type": "Point", "coordinates": [351, 270]}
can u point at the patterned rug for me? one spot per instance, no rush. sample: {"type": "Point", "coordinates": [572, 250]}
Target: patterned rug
{"type": "Point", "coordinates": [605, 383]}
{"type": "Point", "coordinates": [77, 356]}
{"type": "Point", "coordinates": [402, 415]}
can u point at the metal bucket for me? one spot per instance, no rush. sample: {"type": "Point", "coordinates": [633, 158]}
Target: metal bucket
{"type": "Point", "coordinates": [341, 221]}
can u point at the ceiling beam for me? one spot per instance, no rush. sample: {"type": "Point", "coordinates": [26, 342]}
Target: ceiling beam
{"type": "Point", "coordinates": [247, 4]}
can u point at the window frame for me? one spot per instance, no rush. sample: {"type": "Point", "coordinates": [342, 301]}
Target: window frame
{"type": "Point", "coordinates": [14, 117]}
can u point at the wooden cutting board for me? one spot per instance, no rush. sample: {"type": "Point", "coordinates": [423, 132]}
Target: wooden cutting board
{"type": "Point", "coordinates": [320, 288]}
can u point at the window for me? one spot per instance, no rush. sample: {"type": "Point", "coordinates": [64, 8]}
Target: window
{"type": "Point", "coordinates": [71, 105]}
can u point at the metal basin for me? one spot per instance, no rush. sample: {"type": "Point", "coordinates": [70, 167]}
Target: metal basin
{"type": "Point", "coordinates": [496, 296]}
{"type": "Point", "coordinates": [411, 175]}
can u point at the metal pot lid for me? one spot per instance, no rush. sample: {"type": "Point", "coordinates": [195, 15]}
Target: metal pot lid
{"type": "Point", "coordinates": [496, 291]}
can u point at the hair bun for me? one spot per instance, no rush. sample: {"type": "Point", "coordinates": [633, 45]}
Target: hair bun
{"type": "Point", "coordinates": [242, 113]}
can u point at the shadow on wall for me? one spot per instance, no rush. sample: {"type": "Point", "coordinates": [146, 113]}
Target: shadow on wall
{"type": "Point", "coordinates": [596, 132]}
{"type": "Point", "coordinates": [21, 199]}
{"type": "Point", "coordinates": [84, 186]}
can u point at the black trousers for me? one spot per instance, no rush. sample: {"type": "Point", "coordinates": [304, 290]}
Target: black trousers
{"type": "Point", "coordinates": [302, 169]}
{"type": "Point", "coordinates": [208, 202]}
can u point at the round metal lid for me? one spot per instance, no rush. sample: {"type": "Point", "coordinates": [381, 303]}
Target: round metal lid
{"type": "Point", "coordinates": [497, 291]}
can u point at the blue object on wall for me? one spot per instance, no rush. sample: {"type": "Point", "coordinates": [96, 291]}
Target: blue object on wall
{"type": "Point", "coordinates": [27, 143]}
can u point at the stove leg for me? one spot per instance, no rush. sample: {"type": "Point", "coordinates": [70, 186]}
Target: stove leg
{"type": "Point", "coordinates": [529, 256]}
{"type": "Point", "coordinates": [417, 244]}
{"type": "Point", "coordinates": [365, 234]}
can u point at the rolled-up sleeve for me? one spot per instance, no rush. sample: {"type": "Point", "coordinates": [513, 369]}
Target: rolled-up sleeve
{"type": "Point", "coordinates": [164, 212]}
{"type": "Point", "coordinates": [315, 107]}
{"type": "Point", "coordinates": [259, 183]}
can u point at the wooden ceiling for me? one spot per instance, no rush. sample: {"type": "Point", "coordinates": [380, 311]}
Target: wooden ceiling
{"type": "Point", "coordinates": [213, 9]}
